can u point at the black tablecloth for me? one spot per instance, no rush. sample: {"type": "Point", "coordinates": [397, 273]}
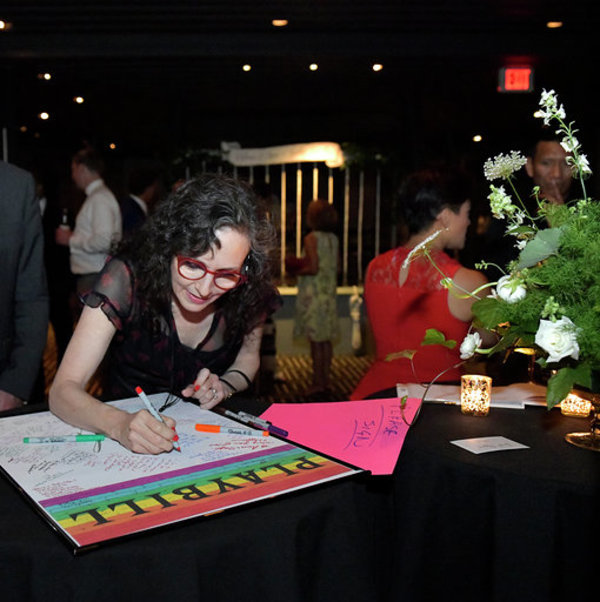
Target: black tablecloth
{"type": "Point", "coordinates": [447, 525]}
{"type": "Point", "coordinates": [503, 526]}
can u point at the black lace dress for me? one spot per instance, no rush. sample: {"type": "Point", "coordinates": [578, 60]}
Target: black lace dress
{"type": "Point", "coordinates": [149, 354]}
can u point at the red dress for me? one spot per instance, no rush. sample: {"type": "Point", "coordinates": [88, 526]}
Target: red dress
{"type": "Point", "coordinates": [400, 315]}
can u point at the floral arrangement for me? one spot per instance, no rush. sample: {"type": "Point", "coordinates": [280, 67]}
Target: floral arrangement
{"type": "Point", "coordinates": [548, 299]}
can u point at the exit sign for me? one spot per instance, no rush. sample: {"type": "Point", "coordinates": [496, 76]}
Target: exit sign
{"type": "Point", "coordinates": [515, 79]}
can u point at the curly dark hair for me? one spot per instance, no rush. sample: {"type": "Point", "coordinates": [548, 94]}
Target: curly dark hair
{"type": "Point", "coordinates": [424, 194]}
{"type": "Point", "coordinates": [185, 223]}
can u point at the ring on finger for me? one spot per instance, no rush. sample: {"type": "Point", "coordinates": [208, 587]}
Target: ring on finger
{"type": "Point", "coordinates": [213, 391]}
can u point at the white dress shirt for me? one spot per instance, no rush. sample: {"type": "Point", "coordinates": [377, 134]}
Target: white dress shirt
{"type": "Point", "coordinates": [97, 227]}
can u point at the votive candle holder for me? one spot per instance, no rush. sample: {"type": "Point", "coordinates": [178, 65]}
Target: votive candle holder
{"type": "Point", "coordinates": [475, 394]}
{"type": "Point", "coordinates": [573, 405]}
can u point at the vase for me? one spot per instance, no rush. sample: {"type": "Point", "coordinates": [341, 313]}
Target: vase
{"type": "Point", "coordinates": [590, 439]}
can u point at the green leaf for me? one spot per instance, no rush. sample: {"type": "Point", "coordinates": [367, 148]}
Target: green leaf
{"type": "Point", "coordinates": [545, 243]}
{"type": "Point", "coordinates": [435, 337]}
{"type": "Point", "coordinates": [561, 383]}
{"type": "Point", "coordinates": [490, 312]}
{"type": "Point", "coordinates": [407, 353]}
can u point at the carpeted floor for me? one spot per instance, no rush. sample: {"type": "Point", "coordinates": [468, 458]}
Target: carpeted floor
{"type": "Point", "coordinates": [295, 372]}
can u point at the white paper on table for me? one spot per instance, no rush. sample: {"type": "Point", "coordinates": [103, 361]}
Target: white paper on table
{"type": "Point", "coordinates": [515, 396]}
{"type": "Point", "coordinates": [482, 445]}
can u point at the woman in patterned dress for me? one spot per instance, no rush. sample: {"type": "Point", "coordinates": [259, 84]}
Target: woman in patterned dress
{"type": "Point", "coordinates": [316, 305]}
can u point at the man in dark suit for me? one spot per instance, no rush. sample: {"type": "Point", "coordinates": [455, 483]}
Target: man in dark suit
{"type": "Point", "coordinates": [145, 188]}
{"type": "Point", "coordinates": [23, 293]}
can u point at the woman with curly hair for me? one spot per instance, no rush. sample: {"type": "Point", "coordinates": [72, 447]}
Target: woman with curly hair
{"type": "Point", "coordinates": [178, 308]}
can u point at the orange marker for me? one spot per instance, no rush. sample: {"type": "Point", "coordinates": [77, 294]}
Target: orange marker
{"type": "Point", "coordinates": [215, 428]}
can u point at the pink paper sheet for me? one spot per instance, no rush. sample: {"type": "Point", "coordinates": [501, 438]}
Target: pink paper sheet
{"type": "Point", "coordinates": [368, 434]}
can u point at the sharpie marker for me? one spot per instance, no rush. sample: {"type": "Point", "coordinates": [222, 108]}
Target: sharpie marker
{"type": "Point", "coordinates": [230, 430]}
{"type": "Point", "coordinates": [64, 439]}
{"type": "Point", "coordinates": [154, 413]}
{"type": "Point", "coordinates": [257, 422]}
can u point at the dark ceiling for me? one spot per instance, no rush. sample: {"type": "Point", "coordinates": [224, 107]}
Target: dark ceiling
{"type": "Point", "coordinates": [159, 77]}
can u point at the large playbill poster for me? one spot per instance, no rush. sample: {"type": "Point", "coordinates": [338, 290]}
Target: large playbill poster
{"type": "Point", "coordinates": [97, 491]}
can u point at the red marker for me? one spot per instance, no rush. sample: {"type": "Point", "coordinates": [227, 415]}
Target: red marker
{"type": "Point", "coordinates": [154, 413]}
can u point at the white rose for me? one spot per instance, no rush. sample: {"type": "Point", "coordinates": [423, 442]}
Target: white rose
{"type": "Point", "coordinates": [469, 345]}
{"type": "Point", "coordinates": [558, 339]}
{"type": "Point", "coordinates": [510, 290]}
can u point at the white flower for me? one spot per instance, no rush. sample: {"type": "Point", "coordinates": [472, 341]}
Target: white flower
{"type": "Point", "coordinates": [558, 339]}
{"type": "Point", "coordinates": [469, 345]}
{"type": "Point", "coordinates": [510, 289]}
{"type": "Point", "coordinates": [418, 248]}
{"type": "Point", "coordinates": [503, 166]}
{"type": "Point", "coordinates": [521, 244]}
{"type": "Point", "coordinates": [500, 203]}
{"type": "Point", "coordinates": [583, 165]}
{"type": "Point", "coordinates": [570, 144]}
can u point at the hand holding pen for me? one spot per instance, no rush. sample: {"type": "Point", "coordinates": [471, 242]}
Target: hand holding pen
{"type": "Point", "coordinates": [144, 433]}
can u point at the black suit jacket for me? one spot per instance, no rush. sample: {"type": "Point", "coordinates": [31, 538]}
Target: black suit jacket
{"type": "Point", "coordinates": [23, 293]}
{"type": "Point", "coordinates": [132, 214]}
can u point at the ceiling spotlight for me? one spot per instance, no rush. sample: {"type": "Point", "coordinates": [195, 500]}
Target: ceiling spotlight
{"type": "Point", "coordinates": [23, 129]}
{"type": "Point", "coordinates": [247, 67]}
{"type": "Point", "coordinates": [44, 116]}
{"type": "Point", "coordinates": [78, 99]}
{"type": "Point", "coordinates": [477, 138]}
{"type": "Point", "coordinates": [5, 25]}
{"type": "Point", "coordinates": [45, 76]}
{"type": "Point", "coordinates": [377, 67]}
{"type": "Point", "coordinates": [554, 24]}
{"type": "Point", "coordinates": [313, 66]}
{"type": "Point", "coordinates": [112, 146]}
{"type": "Point", "coordinates": [279, 22]}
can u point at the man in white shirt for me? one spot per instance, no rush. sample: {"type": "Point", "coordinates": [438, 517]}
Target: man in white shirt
{"type": "Point", "coordinates": [98, 223]}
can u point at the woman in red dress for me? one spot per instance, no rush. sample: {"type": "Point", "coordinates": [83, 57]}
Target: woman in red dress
{"type": "Point", "coordinates": [403, 299]}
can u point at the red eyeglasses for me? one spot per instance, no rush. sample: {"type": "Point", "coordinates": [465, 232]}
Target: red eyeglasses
{"type": "Point", "coordinates": [192, 269]}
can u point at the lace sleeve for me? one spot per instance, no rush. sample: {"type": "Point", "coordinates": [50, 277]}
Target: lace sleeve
{"type": "Point", "coordinates": [113, 292]}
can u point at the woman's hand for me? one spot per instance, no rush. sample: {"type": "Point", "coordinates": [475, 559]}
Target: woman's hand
{"type": "Point", "coordinates": [207, 389]}
{"type": "Point", "coordinates": [143, 434]}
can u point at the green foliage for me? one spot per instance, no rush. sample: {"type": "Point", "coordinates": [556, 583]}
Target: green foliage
{"type": "Point", "coordinates": [561, 383]}
{"type": "Point", "coordinates": [544, 244]}
{"type": "Point", "coordinates": [406, 353]}
{"type": "Point", "coordinates": [435, 337]}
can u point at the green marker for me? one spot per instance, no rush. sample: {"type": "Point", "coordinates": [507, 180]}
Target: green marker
{"type": "Point", "coordinates": [64, 439]}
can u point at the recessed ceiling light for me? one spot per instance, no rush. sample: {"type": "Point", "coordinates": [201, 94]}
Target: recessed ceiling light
{"type": "Point", "coordinates": [279, 22]}
{"type": "Point", "coordinates": [5, 25]}
{"type": "Point", "coordinates": [313, 66]}
{"type": "Point", "coordinates": [247, 67]}
{"type": "Point", "coordinates": [554, 24]}
{"type": "Point", "coordinates": [44, 116]}
{"type": "Point", "coordinates": [112, 146]}
{"type": "Point", "coordinates": [377, 67]}
{"type": "Point", "coordinates": [477, 138]}
{"type": "Point", "coordinates": [45, 76]}
{"type": "Point", "coordinates": [78, 99]}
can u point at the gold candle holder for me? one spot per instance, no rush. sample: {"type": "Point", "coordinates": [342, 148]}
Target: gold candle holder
{"type": "Point", "coordinates": [573, 405]}
{"type": "Point", "coordinates": [475, 394]}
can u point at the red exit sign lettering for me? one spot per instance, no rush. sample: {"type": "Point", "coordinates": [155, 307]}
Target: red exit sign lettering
{"type": "Point", "coordinates": [515, 79]}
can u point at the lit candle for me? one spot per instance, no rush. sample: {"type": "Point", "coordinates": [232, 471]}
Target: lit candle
{"type": "Point", "coordinates": [475, 394]}
{"type": "Point", "coordinates": [573, 405]}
